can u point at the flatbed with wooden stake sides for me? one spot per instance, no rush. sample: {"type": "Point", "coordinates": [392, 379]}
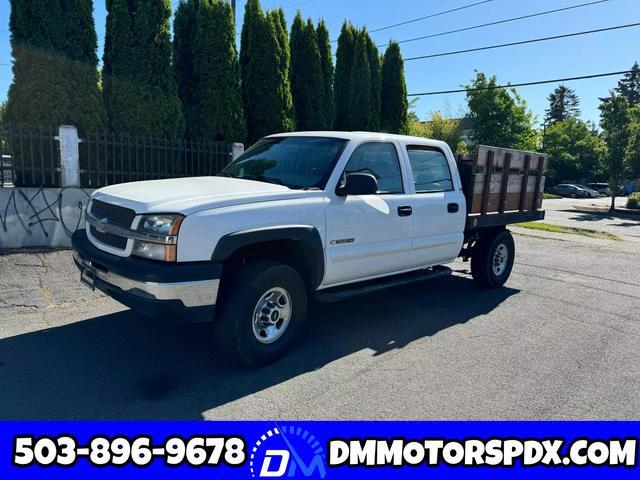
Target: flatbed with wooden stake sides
{"type": "Point", "coordinates": [305, 216]}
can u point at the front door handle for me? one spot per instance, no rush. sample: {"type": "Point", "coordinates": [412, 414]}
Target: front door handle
{"type": "Point", "coordinates": [453, 208]}
{"type": "Point", "coordinates": [405, 211]}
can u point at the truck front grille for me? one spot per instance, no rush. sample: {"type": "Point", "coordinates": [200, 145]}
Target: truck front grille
{"type": "Point", "coordinates": [109, 239]}
{"type": "Point", "coordinates": [116, 215]}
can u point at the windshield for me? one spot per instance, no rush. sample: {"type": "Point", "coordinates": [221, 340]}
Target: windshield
{"type": "Point", "coordinates": [295, 162]}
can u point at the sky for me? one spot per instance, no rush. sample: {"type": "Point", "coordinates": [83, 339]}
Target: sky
{"type": "Point", "coordinates": [585, 55]}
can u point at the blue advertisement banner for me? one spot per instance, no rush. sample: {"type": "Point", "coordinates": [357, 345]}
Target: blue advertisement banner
{"type": "Point", "coordinates": [318, 450]}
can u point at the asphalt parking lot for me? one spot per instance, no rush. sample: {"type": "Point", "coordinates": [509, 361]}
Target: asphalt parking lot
{"type": "Point", "coordinates": [561, 341]}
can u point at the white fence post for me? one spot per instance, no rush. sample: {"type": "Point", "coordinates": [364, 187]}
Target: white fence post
{"type": "Point", "coordinates": [69, 156]}
{"type": "Point", "coordinates": [237, 149]}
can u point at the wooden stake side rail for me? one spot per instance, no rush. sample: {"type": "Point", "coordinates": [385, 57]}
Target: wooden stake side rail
{"type": "Point", "coordinates": [501, 181]}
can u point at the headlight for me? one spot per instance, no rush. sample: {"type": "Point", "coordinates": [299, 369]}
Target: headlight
{"type": "Point", "coordinates": [164, 229]}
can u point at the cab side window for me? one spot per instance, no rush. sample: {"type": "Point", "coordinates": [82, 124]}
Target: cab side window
{"type": "Point", "coordinates": [430, 168]}
{"type": "Point", "coordinates": [380, 160]}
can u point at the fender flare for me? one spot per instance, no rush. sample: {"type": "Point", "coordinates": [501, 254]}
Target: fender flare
{"type": "Point", "coordinates": [309, 235]}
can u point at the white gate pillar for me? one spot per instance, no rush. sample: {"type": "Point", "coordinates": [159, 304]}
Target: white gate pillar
{"type": "Point", "coordinates": [69, 156]}
{"type": "Point", "coordinates": [237, 149]}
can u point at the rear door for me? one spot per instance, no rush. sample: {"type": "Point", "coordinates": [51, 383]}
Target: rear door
{"type": "Point", "coordinates": [370, 235]}
{"type": "Point", "coordinates": [438, 204]}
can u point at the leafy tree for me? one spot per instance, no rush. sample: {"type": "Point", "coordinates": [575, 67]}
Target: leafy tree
{"type": "Point", "coordinates": [184, 33]}
{"type": "Point", "coordinates": [376, 83]}
{"type": "Point", "coordinates": [218, 105]}
{"type": "Point", "coordinates": [500, 116]}
{"type": "Point", "coordinates": [360, 108]}
{"type": "Point", "coordinates": [343, 74]}
{"type": "Point", "coordinates": [614, 121]}
{"type": "Point", "coordinates": [55, 76]}
{"type": "Point", "coordinates": [394, 103]}
{"type": "Point", "coordinates": [326, 65]}
{"type": "Point", "coordinates": [563, 104]}
{"type": "Point", "coordinates": [629, 86]}
{"type": "Point", "coordinates": [632, 156]}
{"type": "Point", "coordinates": [140, 90]}
{"type": "Point", "coordinates": [575, 152]}
{"type": "Point", "coordinates": [264, 65]}
{"type": "Point", "coordinates": [307, 83]}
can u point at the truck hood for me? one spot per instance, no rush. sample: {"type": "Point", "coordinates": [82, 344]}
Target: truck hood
{"type": "Point", "coordinates": [191, 195]}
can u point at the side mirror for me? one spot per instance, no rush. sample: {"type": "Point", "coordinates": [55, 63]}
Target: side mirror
{"type": "Point", "coordinates": [358, 184]}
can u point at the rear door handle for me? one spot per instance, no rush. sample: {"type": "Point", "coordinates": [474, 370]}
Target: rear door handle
{"type": "Point", "coordinates": [405, 211]}
{"type": "Point", "coordinates": [453, 208]}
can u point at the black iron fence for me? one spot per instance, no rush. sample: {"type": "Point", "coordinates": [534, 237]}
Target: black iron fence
{"type": "Point", "coordinates": [29, 158]}
{"type": "Point", "coordinates": [33, 158]}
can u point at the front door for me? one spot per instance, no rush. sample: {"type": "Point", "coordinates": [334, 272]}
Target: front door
{"type": "Point", "coordinates": [370, 235]}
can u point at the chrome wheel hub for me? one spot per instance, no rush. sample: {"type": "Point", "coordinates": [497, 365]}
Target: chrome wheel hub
{"type": "Point", "coordinates": [500, 259]}
{"type": "Point", "coordinates": [272, 315]}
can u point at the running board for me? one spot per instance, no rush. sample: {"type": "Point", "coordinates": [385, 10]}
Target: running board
{"type": "Point", "coordinates": [338, 294]}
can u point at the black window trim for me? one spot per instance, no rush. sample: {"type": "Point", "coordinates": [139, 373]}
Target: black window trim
{"type": "Point", "coordinates": [429, 148]}
{"type": "Point", "coordinates": [377, 142]}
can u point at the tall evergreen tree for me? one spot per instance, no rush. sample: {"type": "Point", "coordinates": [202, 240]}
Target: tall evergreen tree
{"type": "Point", "coordinates": [264, 64]}
{"type": "Point", "coordinates": [218, 104]}
{"type": "Point", "coordinates": [55, 77]}
{"type": "Point", "coordinates": [629, 86]}
{"type": "Point", "coordinates": [307, 83]}
{"type": "Point", "coordinates": [343, 74]}
{"type": "Point", "coordinates": [184, 35]}
{"type": "Point", "coordinates": [326, 66]}
{"type": "Point", "coordinates": [563, 104]}
{"type": "Point", "coordinates": [375, 78]}
{"type": "Point", "coordinates": [360, 107]}
{"type": "Point", "coordinates": [140, 90]}
{"type": "Point", "coordinates": [394, 104]}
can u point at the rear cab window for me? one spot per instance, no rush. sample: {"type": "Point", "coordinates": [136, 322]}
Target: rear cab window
{"type": "Point", "coordinates": [430, 167]}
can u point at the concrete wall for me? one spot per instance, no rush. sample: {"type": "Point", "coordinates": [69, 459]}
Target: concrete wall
{"type": "Point", "coordinates": [41, 217]}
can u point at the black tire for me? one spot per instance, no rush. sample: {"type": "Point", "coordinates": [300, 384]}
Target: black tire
{"type": "Point", "coordinates": [234, 323]}
{"type": "Point", "coordinates": [573, 195]}
{"type": "Point", "coordinates": [484, 254]}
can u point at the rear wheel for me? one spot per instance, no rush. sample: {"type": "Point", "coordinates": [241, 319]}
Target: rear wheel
{"type": "Point", "coordinates": [492, 259]}
{"type": "Point", "coordinates": [573, 195]}
{"type": "Point", "coordinates": [262, 306]}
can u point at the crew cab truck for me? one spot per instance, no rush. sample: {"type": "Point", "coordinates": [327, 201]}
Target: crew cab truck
{"type": "Point", "coordinates": [300, 217]}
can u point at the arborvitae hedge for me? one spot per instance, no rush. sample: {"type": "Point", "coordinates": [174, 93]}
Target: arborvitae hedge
{"type": "Point", "coordinates": [360, 94]}
{"type": "Point", "coordinates": [55, 76]}
{"type": "Point", "coordinates": [374, 67]}
{"type": "Point", "coordinates": [344, 69]}
{"type": "Point", "coordinates": [264, 64]}
{"type": "Point", "coordinates": [184, 34]}
{"type": "Point", "coordinates": [140, 90]}
{"type": "Point", "coordinates": [207, 70]}
{"type": "Point", "coordinates": [306, 77]}
{"type": "Point", "coordinates": [326, 65]}
{"type": "Point", "coordinates": [394, 103]}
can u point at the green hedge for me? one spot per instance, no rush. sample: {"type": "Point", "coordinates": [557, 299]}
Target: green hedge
{"type": "Point", "coordinates": [634, 201]}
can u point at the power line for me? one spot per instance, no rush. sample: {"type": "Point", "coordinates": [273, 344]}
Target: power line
{"type": "Point", "coordinates": [499, 22]}
{"type": "Point", "coordinates": [429, 16]}
{"type": "Point", "coordinates": [526, 84]}
{"type": "Point", "coordinates": [523, 42]}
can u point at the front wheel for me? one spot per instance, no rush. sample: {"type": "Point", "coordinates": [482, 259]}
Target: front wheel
{"type": "Point", "coordinates": [492, 260]}
{"type": "Point", "coordinates": [262, 306]}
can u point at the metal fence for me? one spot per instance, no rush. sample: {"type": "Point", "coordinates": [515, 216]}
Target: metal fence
{"type": "Point", "coordinates": [29, 158]}
{"type": "Point", "coordinates": [33, 158]}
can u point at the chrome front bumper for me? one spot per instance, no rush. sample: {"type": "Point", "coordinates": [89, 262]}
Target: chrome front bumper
{"type": "Point", "coordinates": [191, 294]}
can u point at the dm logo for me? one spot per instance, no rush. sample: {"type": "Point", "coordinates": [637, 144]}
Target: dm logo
{"type": "Point", "coordinates": [287, 452]}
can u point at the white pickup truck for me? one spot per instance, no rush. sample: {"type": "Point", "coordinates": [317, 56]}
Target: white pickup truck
{"type": "Point", "coordinates": [299, 217]}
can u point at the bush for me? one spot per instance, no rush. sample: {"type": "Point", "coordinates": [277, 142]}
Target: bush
{"type": "Point", "coordinates": [634, 201]}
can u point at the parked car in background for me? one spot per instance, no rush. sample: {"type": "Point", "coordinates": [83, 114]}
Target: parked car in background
{"type": "Point", "coordinates": [568, 190]}
{"type": "Point", "coordinates": [592, 192]}
{"type": "Point", "coordinates": [601, 188]}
